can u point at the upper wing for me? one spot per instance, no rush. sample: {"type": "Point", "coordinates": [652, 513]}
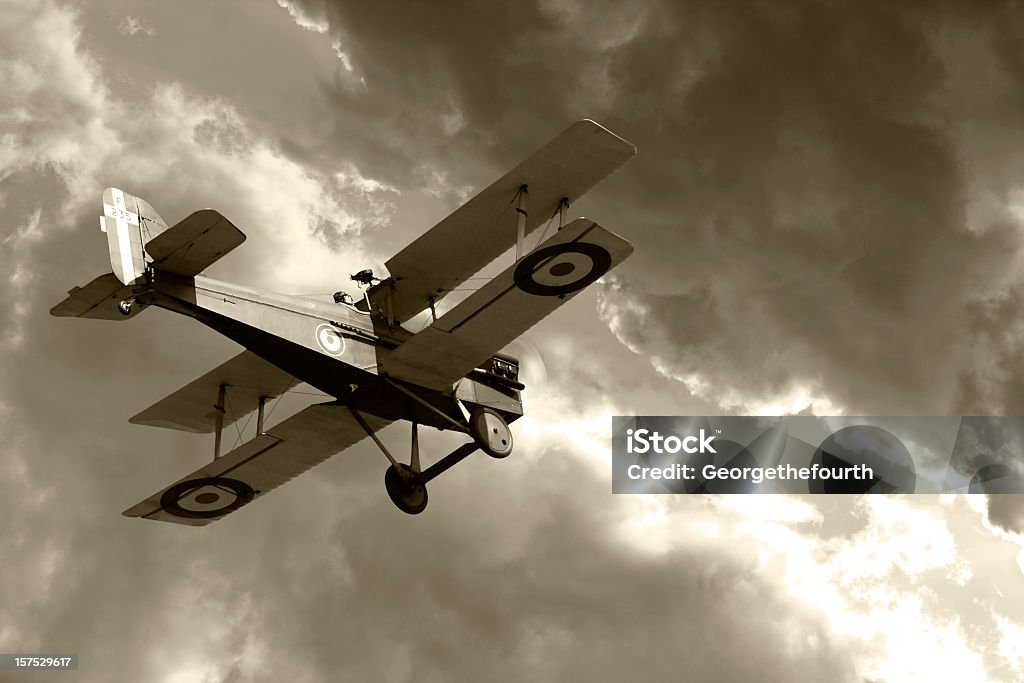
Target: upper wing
{"type": "Point", "coordinates": [483, 228]}
{"type": "Point", "coordinates": [283, 452]}
{"type": "Point", "coordinates": [192, 408]}
{"type": "Point", "coordinates": [504, 308]}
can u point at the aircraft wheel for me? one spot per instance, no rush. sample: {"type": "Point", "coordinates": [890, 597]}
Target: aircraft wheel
{"type": "Point", "coordinates": [491, 432]}
{"type": "Point", "coordinates": [125, 307]}
{"type": "Point", "coordinates": [410, 498]}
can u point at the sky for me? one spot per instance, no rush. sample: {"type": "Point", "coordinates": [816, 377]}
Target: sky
{"type": "Point", "coordinates": [827, 210]}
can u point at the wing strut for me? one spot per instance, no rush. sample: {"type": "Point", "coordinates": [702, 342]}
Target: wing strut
{"type": "Point", "coordinates": [523, 196]}
{"type": "Point", "coordinates": [457, 425]}
{"type": "Point", "coordinates": [259, 415]}
{"type": "Point", "coordinates": [563, 211]}
{"type": "Point", "coordinates": [222, 392]}
{"type": "Point", "coordinates": [219, 419]}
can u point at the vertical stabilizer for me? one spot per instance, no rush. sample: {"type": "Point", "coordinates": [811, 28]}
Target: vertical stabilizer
{"type": "Point", "coordinates": [129, 222]}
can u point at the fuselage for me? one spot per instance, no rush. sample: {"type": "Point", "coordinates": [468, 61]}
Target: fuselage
{"type": "Point", "coordinates": [333, 347]}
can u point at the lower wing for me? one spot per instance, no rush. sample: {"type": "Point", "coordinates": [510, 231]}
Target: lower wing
{"type": "Point", "coordinates": [281, 453]}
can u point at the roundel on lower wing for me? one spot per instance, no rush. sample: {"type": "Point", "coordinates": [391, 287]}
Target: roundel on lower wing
{"type": "Point", "coordinates": [206, 497]}
{"type": "Point", "coordinates": [562, 268]}
{"type": "Point", "coordinates": [330, 340]}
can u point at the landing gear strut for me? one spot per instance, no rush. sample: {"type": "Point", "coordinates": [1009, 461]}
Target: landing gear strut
{"type": "Point", "coordinates": [407, 484]}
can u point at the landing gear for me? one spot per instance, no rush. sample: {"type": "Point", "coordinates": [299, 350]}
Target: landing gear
{"type": "Point", "coordinates": [406, 488]}
{"type": "Point", "coordinates": [491, 432]}
{"type": "Point", "coordinates": [407, 484]}
{"type": "Point", "coordinates": [125, 307]}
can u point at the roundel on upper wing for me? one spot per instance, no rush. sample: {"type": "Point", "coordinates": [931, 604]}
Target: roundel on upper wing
{"type": "Point", "coordinates": [562, 268]}
{"type": "Point", "coordinates": [206, 497]}
{"type": "Point", "coordinates": [330, 340]}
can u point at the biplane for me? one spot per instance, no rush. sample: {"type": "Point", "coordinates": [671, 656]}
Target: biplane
{"type": "Point", "coordinates": [450, 375]}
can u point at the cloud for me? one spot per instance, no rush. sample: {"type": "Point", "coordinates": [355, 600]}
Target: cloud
{"type": "Point", "coordinates": [528, 567]}
{"type": "Point", "coordinates": [893, 574]}
{"type": "Point", "coordinates": [52, 104]}
{"type": "Point", "coordinates": [824, 220]}
{"type": "Point", "coordinates": [816, 192]}
{"type": "Point", "coordinates": [180, 151]}
{"type": "Point", "coordinates": [316, 22]}
{"type": "Point", "coordinates": [307, 224]}
{"type": "Point", "coordinates": [1006, 511]}
{"type": "Point", "coordinates": [130, 26]}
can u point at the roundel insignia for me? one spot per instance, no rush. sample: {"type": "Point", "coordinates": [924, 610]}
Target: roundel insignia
{"type": "Point", "coordinates": [330, 340]}
{"type": "Point", "coordinates": [206, 497]}
{"type": "Point", "coordinates": [562, 268]}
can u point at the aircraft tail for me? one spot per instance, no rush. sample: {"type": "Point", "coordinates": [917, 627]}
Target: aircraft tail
{"type": "Point", "coordinates": [130, 223]}
{"type": "Point", "coordinates": [138, 238]}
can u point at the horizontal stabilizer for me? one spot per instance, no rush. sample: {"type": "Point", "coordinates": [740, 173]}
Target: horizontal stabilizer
{"type": "Point", "coordinates": [286, 450]}
{"type": "Point", "coordinates": [194, 244]}
{"type": "Point", "coordinates": [98, 299]}
{"type": "Point", "coordinates": [247, 377]}
{"type": "Point", "coordinates": [513, 302]}
{"type": "Point", "coordinates": [483, 228]}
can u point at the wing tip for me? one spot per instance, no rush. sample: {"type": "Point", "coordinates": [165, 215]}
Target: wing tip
{"type": "Point", "coordinates": [144, 420]}
{"type": "Point", "coordinates": [597, 127]}
{"type": "Point", "coordinates": [134, 512]}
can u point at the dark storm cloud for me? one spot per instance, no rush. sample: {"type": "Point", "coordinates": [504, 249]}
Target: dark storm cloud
{"type": "Point", "coordinates": [1007, 512]}
{"type": "Point", "coordinates": [328, 579]}
{"type": "Point", "coordinates": [518, 570]}
{"type": "Point", "coordinates": [823, 200]}
{"type": "Point", "coordinates": [823, 212]}
{"type": "Point", "coordinates": [802, 202]}
{"type": "Point", "coordinates": [461, 89]}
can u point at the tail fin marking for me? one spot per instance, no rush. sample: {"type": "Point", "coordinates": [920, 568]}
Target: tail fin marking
{"type": "Point", "coordinates": [129, 222]}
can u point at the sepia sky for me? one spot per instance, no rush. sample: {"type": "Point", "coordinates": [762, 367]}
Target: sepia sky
{"type": "Point", "coordinates": [827, 209]}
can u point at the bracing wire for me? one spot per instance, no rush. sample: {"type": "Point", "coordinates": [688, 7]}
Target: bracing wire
{"type": "Point", "coordinates": [240, 431]}
{"type": "Point", "coordinates": [234, 421]}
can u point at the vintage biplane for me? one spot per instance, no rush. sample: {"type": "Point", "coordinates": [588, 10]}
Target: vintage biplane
{"type": "Point", "coordinates": [449, 375]}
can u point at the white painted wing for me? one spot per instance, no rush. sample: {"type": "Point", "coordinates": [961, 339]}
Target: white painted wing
{"type": "Point", "coordinates": [483, 228]}
{"type": "Point", "coordinates": [513, 302]}
{"type": "Point", "coordinates": [254, 468]}
{"type": "Point", "coordinates": [191, 408]}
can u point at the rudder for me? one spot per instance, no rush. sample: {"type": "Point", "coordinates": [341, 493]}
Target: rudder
{"type": "Point", "coordinates": [130, 223]}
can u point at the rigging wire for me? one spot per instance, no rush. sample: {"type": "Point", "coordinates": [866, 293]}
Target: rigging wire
{"type": "Point", "coordinates": [244, 427]}
{"type": "Point", "coordinates": [239, 438]}
{"type": "Point", "coordinates": [547, 226]}
{"type": "Point", "coordinates": [234, 420]}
